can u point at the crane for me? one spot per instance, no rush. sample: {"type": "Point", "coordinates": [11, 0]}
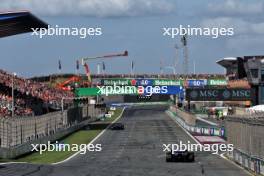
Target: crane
{"type": "Point", "coordinates": [86, 67]}
{"type": "Point", "coordinates": [63, 85]}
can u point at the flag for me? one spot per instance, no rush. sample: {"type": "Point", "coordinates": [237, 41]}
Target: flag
{"type": "Point", "coordinates": [132, 68]}
{"type": "Point", "coordinates": [88, 73]}
{"type": "Point", "coordinates": [59, 64]}
{"type": "Point", "coordinates": [103, 66]}
{"type": "Point", "coordinates": [161, 67]}
{"type": "Point", "coordinates": [132, 65]}
{"type": "Point", "coordinates": [77, 64]}
{"type": "Point", "coordinates": [184, 40]}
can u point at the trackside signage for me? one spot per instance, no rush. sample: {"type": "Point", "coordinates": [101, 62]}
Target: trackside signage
{"type": "Point", "coordinates": [196, 83]}
{"type": "Point", "coordinates": [219, 94]}
{"type": "Point", "coordinates": [167, 82]}
{"type": "Point", "coordinates": [142, 82]}
{"type": "Point", "coordinates": [132, 90]}
{"type": "Point", "coordinates": [116, 82]}
{"type": "Point", "coordinates": [217, 82]}
{"type": "Point", "coordinates": [164, 82]}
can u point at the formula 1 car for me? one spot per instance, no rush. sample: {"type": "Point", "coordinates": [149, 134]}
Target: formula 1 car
{"type": "Point", "coordinates": [180, 156]}
{"type": "Point", "coordinates": [117, 126]}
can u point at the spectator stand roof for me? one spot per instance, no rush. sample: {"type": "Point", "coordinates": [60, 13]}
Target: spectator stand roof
{"type": "Point", "coordinates": [227, 62]}
{"type": "Point", "coordinates": [12, 23]}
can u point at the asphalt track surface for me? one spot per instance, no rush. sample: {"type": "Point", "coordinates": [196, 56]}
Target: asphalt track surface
{"type": "Point", "coordinates": [135, 151]}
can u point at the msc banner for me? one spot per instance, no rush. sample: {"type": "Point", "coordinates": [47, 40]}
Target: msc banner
{"type": "Point", "coordinates": [219, 94]}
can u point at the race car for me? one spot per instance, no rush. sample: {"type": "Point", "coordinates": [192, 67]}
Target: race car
{"type": "Point", "coordinates": [180, 156]}
{"type": "Point", "coordinates": [117, 126]}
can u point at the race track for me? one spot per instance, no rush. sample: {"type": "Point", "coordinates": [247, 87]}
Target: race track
{"type": "Point", "coordinates": [135, 151]}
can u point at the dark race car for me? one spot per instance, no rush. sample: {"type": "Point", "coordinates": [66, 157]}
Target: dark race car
{"type": "Point", "coordinates": [117, 126]}
{"type": "Point", "coordinates": [180, 156]}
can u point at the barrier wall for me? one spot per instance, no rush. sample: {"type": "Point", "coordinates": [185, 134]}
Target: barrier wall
{"type": "Point", "coordinates": [17, 134]}
{"type": "Point", "coordinates": [200, 130]}
{"type": "Point", "coordinates": [252, 164]}
{"type": "Point", "coordinates": [189, 118]}
{"type": "Point", "coordinates": [246, 134]}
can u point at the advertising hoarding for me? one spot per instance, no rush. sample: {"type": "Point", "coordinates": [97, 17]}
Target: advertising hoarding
{"type": "Point", "coordinates": [217, 82]}
{"type": "Point", "coordinates": [132, 90]}
{"type": "Point", "coordinates": [219, 94]}
{"type": "Point", "coordinates": [196, 83]}
{"type": "Point", "coordinates": [142, 82]}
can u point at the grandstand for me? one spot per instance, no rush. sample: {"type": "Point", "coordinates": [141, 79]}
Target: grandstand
{"type": "Point", "coordinates": [31, 97]}
{"type": "Point", "coordinates": [54, 77]}
{"type": "Point", "coordinates": [246, 71]}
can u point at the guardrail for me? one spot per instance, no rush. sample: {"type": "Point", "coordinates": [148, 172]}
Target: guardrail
{"type": "Point", "coordinates": [208, 131]}
{"type": "Point", "coordinates": [251, 163]}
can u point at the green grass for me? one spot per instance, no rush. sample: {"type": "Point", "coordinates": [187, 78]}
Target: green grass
{"type": "Point", "coordinates": [79, 137]}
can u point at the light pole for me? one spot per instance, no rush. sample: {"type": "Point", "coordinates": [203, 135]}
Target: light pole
{"type": "Point", "coordinates": [174, 72]}
{"type": "Point", "coordinates": [13, 95]}
{"type": "Point", "coordinates": [176, 55]}
{"type": "Point", "coordinates": [173, 69]}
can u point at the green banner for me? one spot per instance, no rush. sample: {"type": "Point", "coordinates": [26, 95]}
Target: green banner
{"type": "Point", "coordinates": [83, 92]}
{"type": "Point", "coordinates": [217, 82]}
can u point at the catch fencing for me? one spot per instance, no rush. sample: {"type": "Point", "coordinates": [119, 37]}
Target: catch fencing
{"type": "Point", "coordinates": [246, 133]}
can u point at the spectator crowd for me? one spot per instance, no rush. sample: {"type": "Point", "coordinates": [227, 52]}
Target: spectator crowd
{"type": "Point", "coordinates": [20, 106]}
{"type": "Point", "coordinates": [42, 91]}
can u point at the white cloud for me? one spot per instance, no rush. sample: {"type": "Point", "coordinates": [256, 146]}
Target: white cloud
{"type": "Point", "coordinates": [241, 27]}
{"type": "Point", "coordinates": [247, 34]}
{"type": "Point", "coordinates": [98, 8]}
{"type": "Point", "coordinates": [246, 43]}
{"type": "Point", "coordinates": [237, 7]}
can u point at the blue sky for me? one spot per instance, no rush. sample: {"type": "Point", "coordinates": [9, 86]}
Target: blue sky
{"type": "Point", "coordinates": [136, 26]}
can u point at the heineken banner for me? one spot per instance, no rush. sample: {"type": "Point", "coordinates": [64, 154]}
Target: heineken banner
{"type": "Point", "coordinates": [142, 82]}
{"type": "Point", "coordinates": [133, 90]}
{"type": "Point", "coordinates": [109, 82]}
{"type": "Point", "coordinates": [196, 83]}
{"type": "Point", "coordinates": [164, 82]}
{"type": "Point", "coordinates": [217, 82]}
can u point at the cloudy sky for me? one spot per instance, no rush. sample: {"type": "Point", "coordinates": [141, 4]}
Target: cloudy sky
{"type": "Point", "coordinates": [136, 26]}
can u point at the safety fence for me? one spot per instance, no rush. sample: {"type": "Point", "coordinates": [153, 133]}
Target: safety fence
{"type": "Point", "coordinates": [251, 163]}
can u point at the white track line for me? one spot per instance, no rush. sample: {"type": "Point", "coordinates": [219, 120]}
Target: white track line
{"type": "Point", "coordinates": [99, 135]}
